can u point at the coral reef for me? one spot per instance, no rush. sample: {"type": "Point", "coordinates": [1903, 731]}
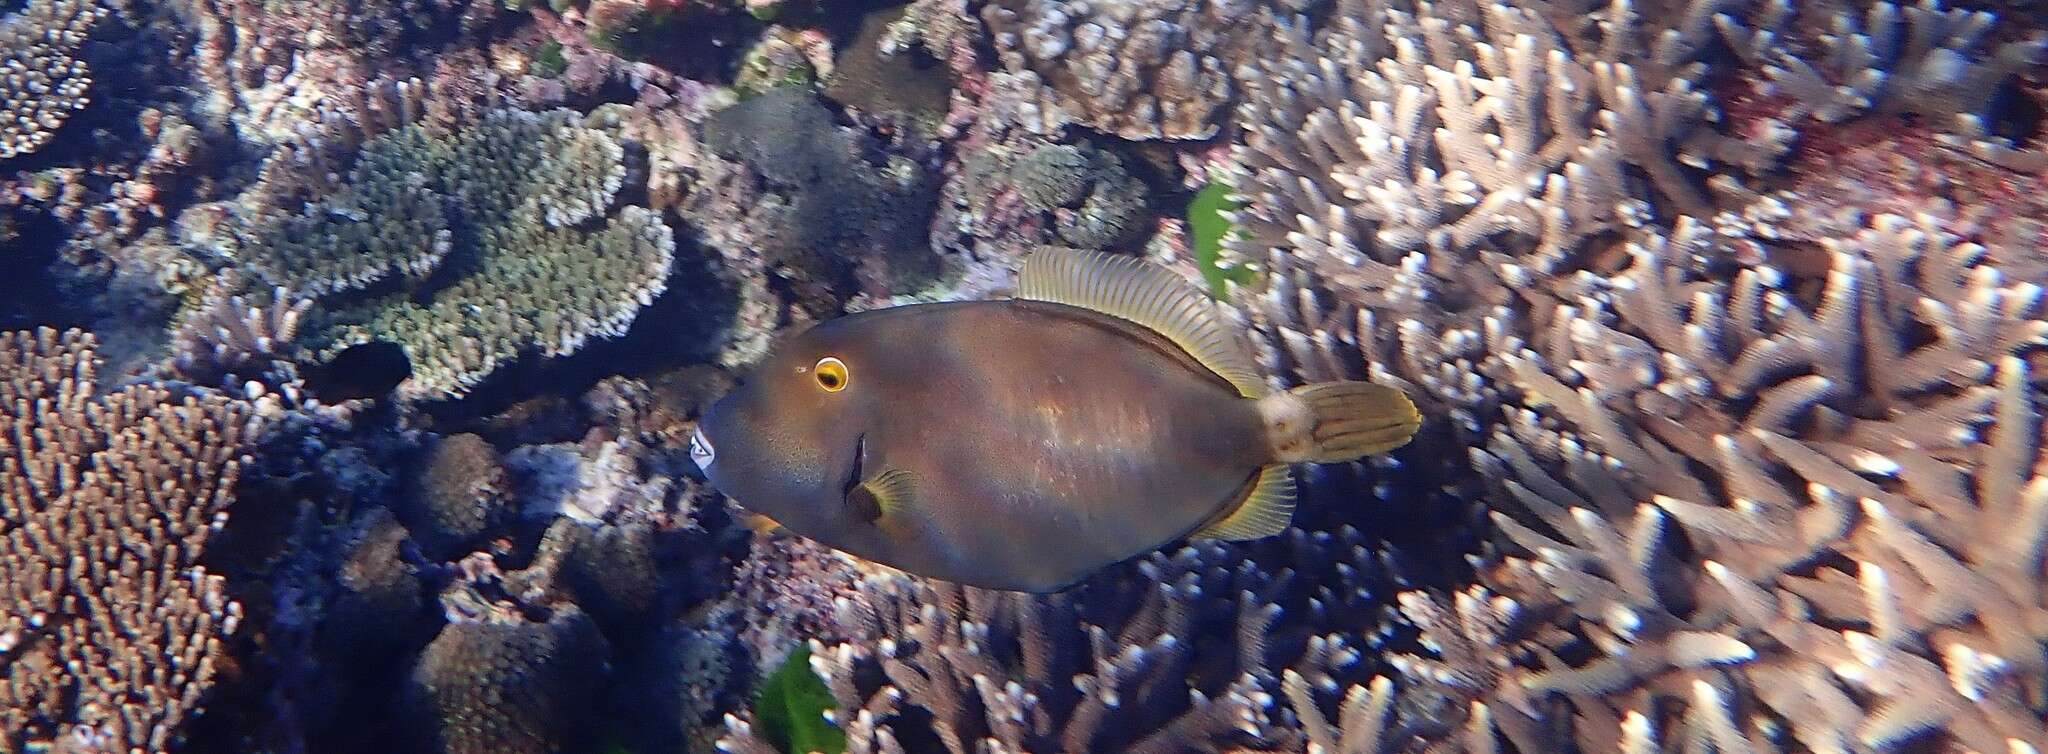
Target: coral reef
{"type": "Point", "coordinates": [1149, 69]}
{"type": "Point", "coordinates": [1177, 652]}
{"type": "Point", "coordinates": [456, 495]}
{"type": "Point", "coordinates": [1069, 195]}
{"type": "Point", "coordinates": [111, 634]}
{"type": "Point", "coordinates": [1730, 438]}
{"type": "Point", "coordinates": [1727, 314]}
{"type": "Point", "coordinates": [518, 187]}
{"type": "Point", "coordinates": [46, 81]}
{"type": "Point", "coordinates": [807, 199]}
{"type": "Point", "coordinates": [1850, 483]}
{"type": "Point", "coordinates": [502, 682]}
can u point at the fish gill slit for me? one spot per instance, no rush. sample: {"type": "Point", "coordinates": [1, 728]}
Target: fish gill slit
{"type": "Point", "coordinates": [853, 475]}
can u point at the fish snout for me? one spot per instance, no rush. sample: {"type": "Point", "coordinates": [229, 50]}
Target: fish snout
{"type": "Point", "coordinates": [701, 451]}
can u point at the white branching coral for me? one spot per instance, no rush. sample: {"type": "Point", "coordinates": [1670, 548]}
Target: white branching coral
{"type": "Point", "coordinates": [1398, 129]}
{"type": "Point", "coordinates": [1711, 473]}
{"type": "Point", "coordinates": [1893, 58]}
{"type": "Point", "coordinates": [1024, 673]}
{"type": "Point", "coordinates": [1409, 170]}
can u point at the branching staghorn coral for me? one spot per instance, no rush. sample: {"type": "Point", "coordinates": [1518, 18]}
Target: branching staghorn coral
{"type": "Point", "coordinates": [1073, 685]}
{"type": "Point", "coordinates": [42, 81]}
{"type": "Point", "coordinates": [1887, 58]}
{"type": "Point", "coordinates": [223, 336]}
{"type": "Point", "coordinates": [1445, 124]}
{"type": "Point", "coordinates": [1174, 655]}
{"type": "Point", "coordinates": [110, 633]}
{"type": "Point", "coordinates": [1764, 510]}
{"type": "Point", "coordinates": [1407, 168]}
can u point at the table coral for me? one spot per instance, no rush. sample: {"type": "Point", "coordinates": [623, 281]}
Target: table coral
{"type": "Point", "coordinates": [511, 199]}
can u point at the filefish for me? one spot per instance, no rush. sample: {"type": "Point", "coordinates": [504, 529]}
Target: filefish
{"type": "Point", "coordinates": [1025, 443]}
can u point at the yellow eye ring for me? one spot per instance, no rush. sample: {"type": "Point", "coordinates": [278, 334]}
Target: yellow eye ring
{"type": "Point", "coordinates": [830, 374]}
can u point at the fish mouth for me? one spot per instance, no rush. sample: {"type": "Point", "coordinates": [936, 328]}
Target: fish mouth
{"type": "Point", "coordinates": [701, 452]}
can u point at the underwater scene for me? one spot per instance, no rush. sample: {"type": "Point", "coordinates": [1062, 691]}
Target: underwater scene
{"type": "Point", "coordinates": [1023, 376]}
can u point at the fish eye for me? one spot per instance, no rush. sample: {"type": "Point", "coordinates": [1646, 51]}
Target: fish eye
{"type": "Point", "coordinates": [830, 374]}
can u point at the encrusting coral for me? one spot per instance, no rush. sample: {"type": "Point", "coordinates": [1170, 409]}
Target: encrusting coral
{"type": "Point", "coordinates": [110, 632]}
{"type": "Point", "coordinates": [1141, 69]}
{"type": "Point", "coordinates": [799, 191]}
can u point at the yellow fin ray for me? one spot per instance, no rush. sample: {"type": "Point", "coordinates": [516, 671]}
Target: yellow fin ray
{"type": "Point", "coordinates": [1334, 422]}
{"type": "Point", "coordinates": [1264, 512]}
{"type": "Point", "coordinates": [1149, 295]}
{"type": "Point", "coordinates": [886, 495]}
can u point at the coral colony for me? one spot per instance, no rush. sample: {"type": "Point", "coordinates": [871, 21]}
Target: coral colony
{"type": "Point", "coordinates": [350, 353]}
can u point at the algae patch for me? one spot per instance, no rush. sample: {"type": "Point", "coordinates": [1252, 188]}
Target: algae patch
{"type": "Point", "coordinates": [1207, 227]}
{"type": "Point", "coordinates": [791, 709]}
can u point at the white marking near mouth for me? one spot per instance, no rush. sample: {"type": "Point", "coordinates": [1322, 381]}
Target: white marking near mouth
{"type": "Point", "coordinates": [701, 451]}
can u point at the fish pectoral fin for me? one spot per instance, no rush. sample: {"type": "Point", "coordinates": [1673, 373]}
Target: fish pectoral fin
{"type": "Point", "coordinates": [1152, 296]}
{"type": "Point", "coordinates": [885, 495]}
{"type": "Point", "coordinates": [1265, 510]}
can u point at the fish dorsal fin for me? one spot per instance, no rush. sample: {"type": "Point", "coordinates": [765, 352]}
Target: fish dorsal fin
{"type": "Point", "coordinates": [1264, 512]}
{"type": "Point", "coordinates": [885, 496]}
{"type": "Point", "coordinates": [1149, 295]}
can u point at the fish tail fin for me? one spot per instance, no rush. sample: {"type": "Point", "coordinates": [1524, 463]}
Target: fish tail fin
{"type": "Point", "coordinates": [1333, 422]}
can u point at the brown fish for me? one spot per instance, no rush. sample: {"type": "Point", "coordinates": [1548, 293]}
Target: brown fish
{"type": "Point", "coordinates": [1022, 444]}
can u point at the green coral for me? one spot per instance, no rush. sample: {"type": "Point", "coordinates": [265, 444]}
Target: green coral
{"type": "Point", "coordinates": [485, 243]}
{"type": "Point", "coordinates": [791, 708]}
{"type": "Point", "coordinates": [549, 62]}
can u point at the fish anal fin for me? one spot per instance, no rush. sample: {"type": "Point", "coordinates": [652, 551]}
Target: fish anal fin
{"type": "Point", "coordinates": [1266, 510]}
{"type": "Point", "coordinates": [885, 495]}
{"type": "Point", "coordinates": [1152, 296]}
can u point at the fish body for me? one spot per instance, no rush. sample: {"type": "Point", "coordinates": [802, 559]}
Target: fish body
{"type": "Point", "coordinates": [1016, 444]}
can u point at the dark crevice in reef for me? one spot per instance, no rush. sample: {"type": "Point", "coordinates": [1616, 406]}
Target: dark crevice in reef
{"type": "Point", "coordinates": [29, 293]}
